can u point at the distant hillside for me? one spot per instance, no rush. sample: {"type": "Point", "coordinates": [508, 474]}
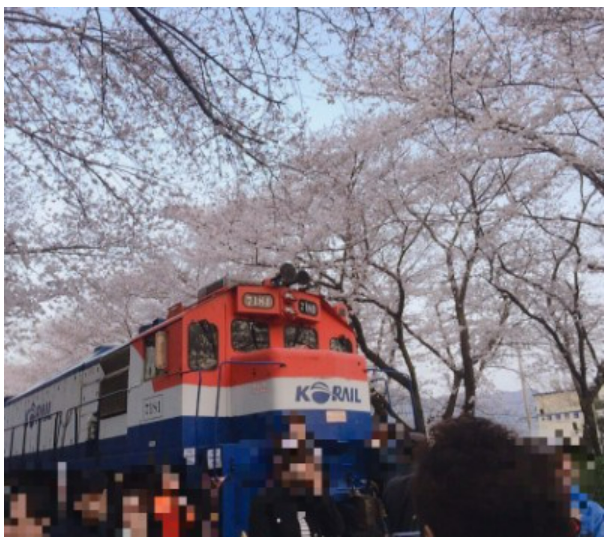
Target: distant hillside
{"type": "Point", "coordinates": [504, 407]}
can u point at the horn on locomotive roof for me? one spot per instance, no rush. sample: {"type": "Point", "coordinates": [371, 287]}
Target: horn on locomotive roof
{"type": "Point", "coordinates": [288, 275]}
{"type": "Point", "coordinates": [303, 278]}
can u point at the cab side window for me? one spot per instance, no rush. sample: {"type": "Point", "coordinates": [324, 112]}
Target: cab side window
{"type": "Point", "coordinates": [202, 345]}
{"type": "Point", "coordinates": [150, 370]}
{"type": "Point", "coordinates": [342, 343]}
{"type": "Point", "coordinates": [249, 335]}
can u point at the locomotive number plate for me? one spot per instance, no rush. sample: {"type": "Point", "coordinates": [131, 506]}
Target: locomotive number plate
{"type": "Point", "coordinates": [261, 301]}
{"type": "Point", "coordinates": [307, 308]}
{"type": "Point", "coordinates": [153, 408]}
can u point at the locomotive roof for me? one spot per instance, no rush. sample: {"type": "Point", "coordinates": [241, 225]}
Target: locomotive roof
{"type": "Point", "coordinates": [222, 285]}
{"type": "Point", "coordinates": [94, 359]}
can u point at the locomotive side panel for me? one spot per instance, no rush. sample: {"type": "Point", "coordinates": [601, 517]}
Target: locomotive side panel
{"type": "Point", "coordinates": [44, 418]}
{"type": "Point", "coordinates": [237, 361]}
{"type": "Point", "coordinates": [154, 408]}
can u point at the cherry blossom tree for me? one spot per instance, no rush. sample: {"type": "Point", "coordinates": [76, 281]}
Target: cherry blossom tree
{"type": "Point", "coordinates": [385, 231]}
{"type": "Point", "coordinates": [543, 271]}
{"type": "Point", "coordinates": [518, 81]}
{"type": "Point", "coordinates": [109, 114]}
{"type": "Point", "coordinates": [456, 211]}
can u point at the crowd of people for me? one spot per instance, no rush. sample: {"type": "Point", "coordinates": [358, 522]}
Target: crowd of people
{"type": "Point", "coordinates": [144, 503]}
{"type": "Point", "coordinates": [469, 477]}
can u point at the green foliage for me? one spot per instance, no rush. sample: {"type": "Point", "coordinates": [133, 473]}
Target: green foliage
{"type": "Point", "coordinates": [592, 480]}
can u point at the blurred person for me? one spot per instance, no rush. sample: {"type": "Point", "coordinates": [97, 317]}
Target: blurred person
{"type": "Point", "coordinates": [398, 457]}
{"type": "Point", "coordinates": [29, 504]}
{"type": "Point", "coordinates": [171, 507]}
{"type": "Point", "coordinates": [211, 487]}
{"type": "Point", "coordinates": [296, 504]}
{"type": "Point", "coordinates": [21, 521]}
{"type": "Point", "coordinates": [476, 479]}
{"type": "Point", "coordinates": [587, 516]}
{"type": "Point", "coordinates": [135, 513]}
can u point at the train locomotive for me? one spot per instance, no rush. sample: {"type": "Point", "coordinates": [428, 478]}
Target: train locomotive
{"type": "Point", "coordinates": [204, 389]}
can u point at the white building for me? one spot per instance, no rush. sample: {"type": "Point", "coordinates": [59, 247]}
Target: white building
{"type": "Point", "coordinates": [559, 415]}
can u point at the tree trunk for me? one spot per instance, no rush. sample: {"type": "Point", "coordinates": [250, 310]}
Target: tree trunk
{"type": "Point", "coordinates": [449, 411]}
{"type": "Point", "coordinates": [469, 375]}
{"type": "Point", "coordinates": [410, 383]}
{"type": "Point", "coordinates": [591, 435]}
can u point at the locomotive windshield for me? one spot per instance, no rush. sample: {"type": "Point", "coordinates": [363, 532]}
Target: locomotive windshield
{"type": "Point", "coordinates": [249, 335]}
{"type": "Point", "coordinates": [301, 336]}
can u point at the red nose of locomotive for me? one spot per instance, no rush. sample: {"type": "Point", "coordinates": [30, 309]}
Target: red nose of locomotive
{"type": "Point", "coordinates": [292, 351]}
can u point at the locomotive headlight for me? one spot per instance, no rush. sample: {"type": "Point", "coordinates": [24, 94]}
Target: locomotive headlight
{"type": "Point", "coordinates": [258, 300]}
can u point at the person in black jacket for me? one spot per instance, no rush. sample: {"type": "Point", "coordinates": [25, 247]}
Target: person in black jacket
{"type": "Point", "coordinates": [278, 514]}
{"type": "Point", "coordinates": [399, 505]}
{"type": "Point", "coordinates": [296, 504]}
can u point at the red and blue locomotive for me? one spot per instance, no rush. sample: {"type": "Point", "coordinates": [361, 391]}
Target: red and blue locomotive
{"type": "Point", "coordinates": [204, 390]}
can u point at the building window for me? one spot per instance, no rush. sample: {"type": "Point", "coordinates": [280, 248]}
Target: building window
{"type": "Point", "coordinates": [248, 335]}
{"type": "Point", "coordinates": [202, 345]}
{"type": "Point", "coordinates": [301, 336]}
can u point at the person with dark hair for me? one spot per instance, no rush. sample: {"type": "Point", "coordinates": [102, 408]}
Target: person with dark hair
{"type": "Point", "coordinates": [25, 514]}
{"type": "Point", "coordinates": [399, 456]}
{"type": "Point", "coordinates": [296, 504]}
{"type": "Point", "coordinates": [94, 508]}
{"type": "Point", "coordinates": [401, 516]}
{"type": "Point", "coordinates": [476, 479]}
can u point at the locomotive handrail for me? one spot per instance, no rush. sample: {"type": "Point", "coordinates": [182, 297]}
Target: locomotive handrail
{"type": "Point", "coordinates": [219, 387]}
{"type": "Point", "coordinates": [75, 412]}
{"type": "Point", "coordinates": [387, 391]}
{"type": "Point", "coordinates": [98, 399]}
{"type": "Point", "coordinates": [128, 390]}
{"type": "Point", "coordinates": [75, 407]}
{"type": "Point", "coordinates": [78, 407]}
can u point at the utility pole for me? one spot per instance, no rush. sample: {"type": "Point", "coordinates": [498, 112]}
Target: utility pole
{"type": "Point", "coordinates": [525, 393]}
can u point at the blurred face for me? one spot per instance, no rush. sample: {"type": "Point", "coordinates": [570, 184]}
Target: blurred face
{"type": "Point", "coordinates": [568, 472]}
{"type": "Point", "coordinates": [18, 506]}
{"type": "Point", "coordinates": [21, 524]}
{"type": "Point", "coordinates": [171, 481]}
{"type": "Point", "coordinates": [135, 517]}
{"type": "Point", "coordinates": [307, 474]}
{"type": "Point", "coordinates": [93, 506]}
{"type": "Point", "coordinates": [300, 466]}
{"type": "Point", "coordinates": [380, 435]}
